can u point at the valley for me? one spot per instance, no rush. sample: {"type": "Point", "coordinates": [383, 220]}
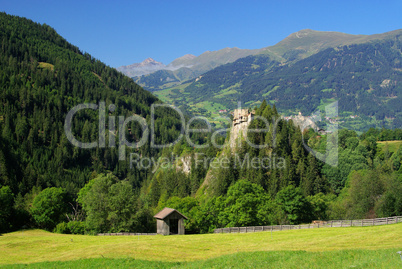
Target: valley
{"type": "Point", "coordinates": [304, 131]}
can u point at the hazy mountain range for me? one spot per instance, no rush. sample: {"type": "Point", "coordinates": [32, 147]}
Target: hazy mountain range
{"type": "Point", "coordinates": [153, 75]}
{"type": "Point", "coordinates": [183, 68]}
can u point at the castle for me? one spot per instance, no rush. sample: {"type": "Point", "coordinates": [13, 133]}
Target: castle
{"type": "Point", "coordinates": [241, 120]}
{"type": "Point", "coordinates": [242, 115]}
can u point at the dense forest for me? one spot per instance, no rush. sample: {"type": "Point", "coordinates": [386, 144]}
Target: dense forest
{"type": "Point", "coordinates": [47, 182]}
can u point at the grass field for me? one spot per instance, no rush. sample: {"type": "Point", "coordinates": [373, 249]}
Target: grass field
{"type": "Point", "coordinates": [392, 145]}
{"type": "Point", "coordinates": [358, 247]}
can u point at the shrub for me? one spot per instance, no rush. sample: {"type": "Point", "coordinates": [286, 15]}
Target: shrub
{"type": "Point", "coordinates": [76, 227]}
{"type": "Point", "coordinates": [72, 227]}
{"type": "Point", "coordinates": [61, 228]}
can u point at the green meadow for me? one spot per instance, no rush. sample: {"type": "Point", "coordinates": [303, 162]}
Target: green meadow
{"type": "Point", "coordinates": [353, 247]}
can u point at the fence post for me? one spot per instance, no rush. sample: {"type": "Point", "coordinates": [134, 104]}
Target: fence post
{"type": "Point", "coordinates": [387, 221]}
{"type": "Point", "coordinates": [331, 223]}
{"type": "Point", "coordinates": [373, 222]}
{"type": "Point", "coordinates": [362, 223]}
{"type": "Point", "coordinates": [341, 223]}
{"type": "Point", "coordinates": [280, 228]}
{"type": "Point", "coordinates": [351, 223]}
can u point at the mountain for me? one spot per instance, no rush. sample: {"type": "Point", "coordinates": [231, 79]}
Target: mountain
{"type": "Point", "coordinates": [295, 47]}
{"type": "Point", "coordinates": [363, 73]}
{"type": "Point", "coordinates": [147, 66]}
{"type": "Point", "coordinates": [307, 42]}
{"type": "Point", "coordinates": [155, 76]}
{"type": "Point", "coordinates": [211, 59]}
{"type": "Point", "coordinates": [183, 61]}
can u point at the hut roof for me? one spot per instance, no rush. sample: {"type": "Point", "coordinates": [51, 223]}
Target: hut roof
{"type": "Point", "coordinates": [166, 212]}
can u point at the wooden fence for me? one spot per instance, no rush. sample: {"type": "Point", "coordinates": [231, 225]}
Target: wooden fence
{"type": "Point", "coordinates": [317, 224]}
{"type": "Point", "coordinates": [108, 234]}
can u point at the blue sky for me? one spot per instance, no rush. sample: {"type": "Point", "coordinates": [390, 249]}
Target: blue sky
{"type": "Point", "coordinates": [124, 32]}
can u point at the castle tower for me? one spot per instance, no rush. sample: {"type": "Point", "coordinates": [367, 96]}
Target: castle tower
{"type": "Point", "coordinates": [241, 121]}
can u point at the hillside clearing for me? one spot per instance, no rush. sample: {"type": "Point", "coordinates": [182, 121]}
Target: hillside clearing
{"type": "Point", "coordinates": [393, 146]}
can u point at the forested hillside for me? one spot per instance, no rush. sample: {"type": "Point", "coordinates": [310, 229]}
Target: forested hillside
{"type": "Point", "coordinates": [42, 77]}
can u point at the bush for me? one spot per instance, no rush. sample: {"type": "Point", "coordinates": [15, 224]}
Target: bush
{"type": "Point", "coordinates": [76, 227]}
{"type": "Point", "coordinates": [72, 227]}
{"type": "Point", "coordinates": [61, 228]}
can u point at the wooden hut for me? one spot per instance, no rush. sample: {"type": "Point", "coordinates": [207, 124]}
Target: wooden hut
{"type": "Point", "coordinates": [170, 221]}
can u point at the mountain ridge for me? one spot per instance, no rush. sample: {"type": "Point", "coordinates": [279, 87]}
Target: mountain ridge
{"type": "Point", "coordinates": [308, 42]}
{"type": "Point", "coordinates": [364, 77]}
{"type": "Point", "coordinates": [294, 47]}
{"type": "Point", "coordinates": [188, 64]}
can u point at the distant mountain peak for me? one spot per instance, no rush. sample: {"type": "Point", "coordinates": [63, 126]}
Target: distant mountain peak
{"type": "Point", "coordinates": [147, 66]}
{"type": "Point", "coordinates": [148, 61]}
